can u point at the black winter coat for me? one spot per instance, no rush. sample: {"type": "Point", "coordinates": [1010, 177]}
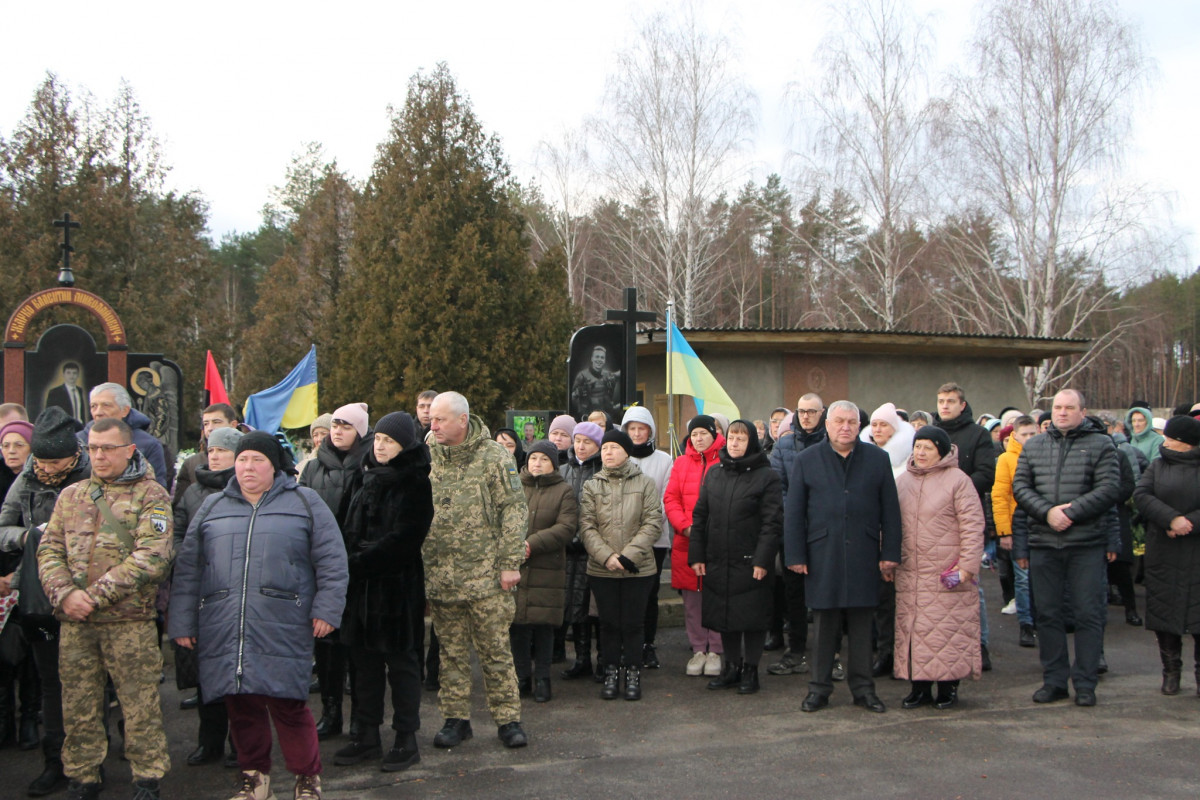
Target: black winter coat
{"type": "Point", "coordinates": [841, 520]}
{"type": "Point", "coordinates": [737, 525]}
{"type": "Point", "coordinates": [206, 482]}
{"type": "Point", "coordinates": [576, 474]}
{"type": "Point", "coordinates": [553, 522]}
{"type": "Point", "coordinates": [330, 473]}
{"type": "Point", "coordinates": [387, 519]}
{"type": "Point", "coordinates": [1080, 467]}
{"type": "Point", "coordinates": [1169, 488]}
{"type": "Point", "coordinates": [976, 450]}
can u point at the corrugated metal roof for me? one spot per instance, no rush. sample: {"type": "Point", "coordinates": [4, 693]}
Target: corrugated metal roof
{"type": "Point", "coordinates": [860, 331]}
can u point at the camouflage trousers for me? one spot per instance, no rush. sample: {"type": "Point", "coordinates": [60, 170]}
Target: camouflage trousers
{"type": "Point", "coordinates": [484, 625]}
{"type": "Point", "coordinates": [128, 651]}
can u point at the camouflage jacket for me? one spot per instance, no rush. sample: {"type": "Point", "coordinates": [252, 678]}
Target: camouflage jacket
{"type": "Point", "coordinates": [479, 518]}
{"type": "Point", "coordinates": [79, 551]}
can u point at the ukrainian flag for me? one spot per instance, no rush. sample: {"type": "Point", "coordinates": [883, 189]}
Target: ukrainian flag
{"type": "Point", "coordinates": [291, 403]}
{"type": "Point", "coordinates": [686, 374]}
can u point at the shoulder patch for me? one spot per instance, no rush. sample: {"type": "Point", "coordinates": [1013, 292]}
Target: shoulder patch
{"type": "Point", "coordinates": [514, 479]}
{"type": "Point", "coordinates": [159, 518]}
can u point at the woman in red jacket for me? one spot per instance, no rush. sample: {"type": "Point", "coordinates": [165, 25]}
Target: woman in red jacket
{"type": "Point", "coordinates": [683, 490]}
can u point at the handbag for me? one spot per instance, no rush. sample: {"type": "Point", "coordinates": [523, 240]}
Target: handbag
{"type": "Point", "coordinates": [187, 668]}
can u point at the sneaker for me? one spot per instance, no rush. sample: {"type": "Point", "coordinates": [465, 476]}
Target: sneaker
{"type": "Point", "coordinates": [839, 672]}
{"type": "Point", "coordinates": [1011, 608]}
{"type": "Point", "coordinates": [255, 786]}
{"type": "Point", "coordinates": [695, 667]}
{"type": "Point", "coordinates": [649, 657]}
{"type": "Point", "coordinates": [712, 665]}
{"type": "Point", "coordinates": [308, 787]}
{"type": "Point", "coordinates": [789, 665]}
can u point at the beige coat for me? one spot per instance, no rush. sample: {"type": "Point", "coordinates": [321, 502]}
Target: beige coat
{"type": "Point", "coordinates": [937, 629]}
{"type": "Point", "coordinates": [620, 512]}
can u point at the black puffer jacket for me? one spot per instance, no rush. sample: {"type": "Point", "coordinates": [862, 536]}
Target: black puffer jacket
{"type": "Point", "coordinates": [737, 525]}
{"type": "Point", "coordinates": [1169, 488]}
{"type": "Point", "coordinates": [1080, 467]}
{"type": "Point", "coordinates": [206, 482]}
{"type": "Point", "coordinates": [387, 520]}
{"type": "Point", "coordinates": [576, 474]}
{"type": "Point", "coordinates": [976, 450]}
{"type": "Point", "coordinates": [330, 473]}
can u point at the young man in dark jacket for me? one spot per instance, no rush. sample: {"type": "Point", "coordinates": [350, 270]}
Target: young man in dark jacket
{"type": "Point", "coordinates": [1067, 482]}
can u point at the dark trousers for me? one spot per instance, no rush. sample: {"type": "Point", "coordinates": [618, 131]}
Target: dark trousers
{"type": "Point", "coordinates": [651, 626]}
{"type": "Point", "coordinates": [214, 724]}
{"type": "Point", "coordinates": [744, 646]}
{"type": "Point", "coordinates": [797, 611]}
{"type": "Point", "coordinates": [45, 656]}
{"type": "Point", "coordinates": [250, 718]}
{"type": "Point", "coordinates": [330, 656]}
{"type": "Point", "coordinates": [374, 672]}
{"type": "Point", "coordinates": [1120, 574]}
{"type": "Point", "coordinates": [622, 606]}
{"type": "Point", "coordinates": [1080, 572]}
{"type": "Point", "coordinates": [1004, 567]}
{"type": "Point", "coordinates": [857, 656]}
{"type": "Point", "coordinates": [433, 658]}
{"type": "Point", "coordinates": [535, 639]}
{"type": "Point", "coordinates": [885, 619]}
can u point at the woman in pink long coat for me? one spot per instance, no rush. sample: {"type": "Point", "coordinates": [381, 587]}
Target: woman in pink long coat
{"type": "Point", "coordinates": [937, 618]}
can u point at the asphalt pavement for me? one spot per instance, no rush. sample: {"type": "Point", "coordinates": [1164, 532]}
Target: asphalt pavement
{"type": "Point", "coordinates": [684, 741]}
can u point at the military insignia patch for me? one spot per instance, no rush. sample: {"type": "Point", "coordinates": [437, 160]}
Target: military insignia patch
{"type": "Point", "coordinates": [514, 480]}
{"type": "Point", "coordinates": [159, 518]}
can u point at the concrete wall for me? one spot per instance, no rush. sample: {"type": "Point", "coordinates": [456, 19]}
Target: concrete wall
{"type": "Point", "coordinates": [990, 384]}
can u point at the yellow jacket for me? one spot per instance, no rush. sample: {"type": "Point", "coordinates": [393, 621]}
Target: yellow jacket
{"type": "Point", "coordinates": [1003, 502]}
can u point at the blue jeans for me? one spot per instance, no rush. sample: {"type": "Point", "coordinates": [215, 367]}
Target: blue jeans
{"type": "Point", "coordinates": [1077, 572]}
{"type": "Point", "coordinates": [1021, 590]}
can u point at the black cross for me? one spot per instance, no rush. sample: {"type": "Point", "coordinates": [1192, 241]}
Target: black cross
{"type": "Point", "coordinates": [630, 316]}
{"type": "Point", "coordinates": [65, 277]}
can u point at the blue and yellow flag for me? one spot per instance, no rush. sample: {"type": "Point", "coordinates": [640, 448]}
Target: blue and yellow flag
{"type": "Point", "coordinates": [688, 375]}
{"type": "Point", "coordinates": [291, 403]}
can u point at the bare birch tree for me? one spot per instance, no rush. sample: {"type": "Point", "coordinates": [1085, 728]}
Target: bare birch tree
{"type": "Point", "coordinates": [1040, 124]}
{"type": "Point", "coordinates": [677, 115]}
{"type": "Point", "coordinates": [564, 167]}
{"type": "Point", "coordinates": [873, 123]}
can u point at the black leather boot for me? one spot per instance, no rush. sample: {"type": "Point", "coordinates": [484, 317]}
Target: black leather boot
{"type": "Point", "coordinates": [749, 683]}
{"type": "Point", "coordinates": [51, 780]}
{"type": "Point", "coordinates": [366, 746]}
{"type": "Point", "coordinates": [612, 683]}
{"type": "Point", "coordinates": [729, 677]}
{"type": "Point", "coordinates": [29, 738]}
{"type": "Point", "coordinates": [582, 668]}
{"type": "Point", "coordinates": [947, 696]}
{"type": "Point", "coordinates": [331, 718]}
{"type": "Point", "coordinates": [404, 753]}
{"type": "Point", "coordinates": [1170, 650]}
{"type": "Point", "coordinates": [633, 683]}
{"type": "Point", "coordinates": [921, 694]}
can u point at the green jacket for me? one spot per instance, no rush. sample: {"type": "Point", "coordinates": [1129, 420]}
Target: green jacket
{"type": "Point", "coordinates": [620, 512]}
{"type": "Point", "coordinates": [80, 551]}
{"type": "Point", "coordinates": [479, 518]}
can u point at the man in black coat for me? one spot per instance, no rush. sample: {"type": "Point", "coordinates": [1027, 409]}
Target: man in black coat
{"type": "Point", "coordinates": [842, 530]}
{"type": "Point", "coordinates": [1067, 482]}
{"type": "Point", "coordinates": [977, 458]}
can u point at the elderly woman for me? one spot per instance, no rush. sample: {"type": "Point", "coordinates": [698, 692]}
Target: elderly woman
{"type": "Point", "coordinates": [620, 517]}
{"type": "Point", "coordinates": [704, 444]}
{"type": "Point", "coordinates": [736, 529]}
{"type": "Point", "coordinates": [58, 461]}
{"type": "Point", "coordinates": [553, 521]}
{"type": "Point", "coordinates": [262, 571]}
{"type": "Point", "coordinates": [582, 463]}
{"type": "Point", "coordinates": [1168, 498]}
{"type": "Point", "coordinates": [891, 433]}
{"type": "Point", "coordinates": [937, 600]}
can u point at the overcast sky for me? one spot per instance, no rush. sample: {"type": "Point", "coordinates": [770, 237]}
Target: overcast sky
{"type": "Point", "coordinates": [235, 89]}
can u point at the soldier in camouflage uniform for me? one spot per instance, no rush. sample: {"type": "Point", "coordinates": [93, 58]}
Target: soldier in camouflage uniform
{"type": "Point", "coordinates": [106, 548]}
{"type": "Point", "coordinates": [473, 556]}
{"type": "Point", "coordinates": [597, 388]}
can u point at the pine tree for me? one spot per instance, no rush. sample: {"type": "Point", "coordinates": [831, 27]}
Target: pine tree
{"type": "Point", "coordinates": [442, 293]}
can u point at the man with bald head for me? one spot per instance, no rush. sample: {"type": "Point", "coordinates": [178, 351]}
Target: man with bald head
{"type": "Point", "coordinates": [1067, 481]}
{"type": "Point", "coordinates": [473, 556]}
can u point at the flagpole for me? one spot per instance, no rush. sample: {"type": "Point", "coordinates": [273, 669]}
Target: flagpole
{"type": "Point", "coordinates": [672, 441]}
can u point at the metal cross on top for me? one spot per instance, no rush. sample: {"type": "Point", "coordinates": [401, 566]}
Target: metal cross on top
{"type": "Point", "coordinates": [65, 276]}
{"type": "Point", "coordinates": [630, 316]}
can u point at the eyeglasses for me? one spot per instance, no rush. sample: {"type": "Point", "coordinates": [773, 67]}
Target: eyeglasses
{"type": "Point", "coordinates": [808, 412]}
{"type": "Point", "coordinates": [96, 449]}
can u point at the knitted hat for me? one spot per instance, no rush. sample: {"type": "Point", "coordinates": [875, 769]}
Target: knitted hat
{"type": "Point", "coordinates": [722, 422]}
{"type": "Point", "coordinates": [620, 437]}
{"type": "Point", "coordinates": [265, 443]}
{"type": "Point", "coordinates": [591, 430]}
{"type": "Point", "coordinates": [356, 415]}
{"type": "Point", "coordinates": [1183, 429]}
{"type": "Point", "coordinates": [940, 439]}
{"type": "Point", "coordinates": [563, 422]}
{"type": "Point", "coordinates": [225, 439]}
{"type": "Point", "coordinates": [1042, 417]}
{"type": "Point", "coordinates": [887, 413]}
{"type": "Point", "coordinates": [399, 427]}
{"type": "Point", "coordinates": [54, 434]}
{"type": "Point", "coordinates": [547, 449]}
{"type": "Point", "coordinates": [703, 421]}
{"type": "Point", "coordinates": [324, 421]}
{"type": "Point", "coordinates": [18, 426]}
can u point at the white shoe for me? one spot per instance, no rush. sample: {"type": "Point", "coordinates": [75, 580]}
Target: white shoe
{"type": "Point", "coordinates": [1011, 608]}
{"type": "Point", "coordinates": [712, 665]}
{"type": "Point", "coordinates": [255, 786]}
{"type": "Point", "coordinates": [695, 667]}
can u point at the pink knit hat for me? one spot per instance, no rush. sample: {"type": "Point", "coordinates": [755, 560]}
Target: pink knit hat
{"type": "Point", "coordinates": [356, 415]}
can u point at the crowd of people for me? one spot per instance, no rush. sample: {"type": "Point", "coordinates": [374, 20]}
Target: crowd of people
{"type": "Point", "coordinates": [274, 580]}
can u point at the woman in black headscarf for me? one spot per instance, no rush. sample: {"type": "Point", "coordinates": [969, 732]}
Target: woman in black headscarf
{"type": "Point", "coordinates": [512, 443]}
{"type": "Point", "coordinates": [736, 529]}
